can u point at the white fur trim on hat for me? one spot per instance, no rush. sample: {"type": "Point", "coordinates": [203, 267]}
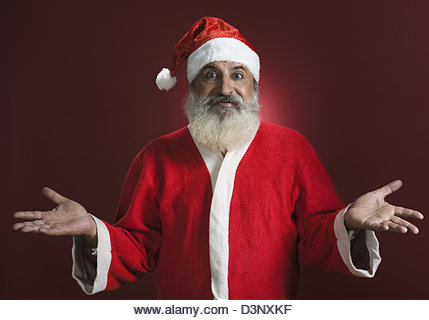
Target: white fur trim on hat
{"type": "Point", "coordinates": [164, 80]}
{"type": "Point", "coordinates": [223, 49]}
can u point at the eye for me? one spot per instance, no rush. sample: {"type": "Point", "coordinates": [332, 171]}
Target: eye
{"type": "Point", "coordinates": [237, 75]}
{"type": "Point", "coordinates": [210, 75]}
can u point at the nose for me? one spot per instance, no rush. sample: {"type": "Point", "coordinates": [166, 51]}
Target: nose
{"type": "Point", "coordinates": [226, 85]}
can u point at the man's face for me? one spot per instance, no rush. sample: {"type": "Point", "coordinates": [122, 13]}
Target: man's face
{"type": "Point", "coordinates": [225, 85]}
{"type": "Point", "coordinates": [222, 106]}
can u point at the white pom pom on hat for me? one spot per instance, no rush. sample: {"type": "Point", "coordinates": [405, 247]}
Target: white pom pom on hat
{"type": "Point", "coordinates": [209, 39]}
{"type": "Point", "coordinates": [164, 80]}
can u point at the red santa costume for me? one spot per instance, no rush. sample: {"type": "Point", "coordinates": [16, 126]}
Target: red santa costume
{"type": "Point", "coordinates": [226, 227]}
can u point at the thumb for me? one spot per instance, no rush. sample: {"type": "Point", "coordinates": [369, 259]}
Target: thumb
{"type": "Point", "coordinates": [389, 188]}
{"type": "Point", "coordinates": [53, 196]}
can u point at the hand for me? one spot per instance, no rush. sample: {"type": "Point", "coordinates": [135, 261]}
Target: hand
{"type": "Point", "coordinates": [68, 218]}
{"type": "Point", "coordinates": [371, 212]}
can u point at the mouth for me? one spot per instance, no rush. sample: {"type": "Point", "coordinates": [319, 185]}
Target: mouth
{"type": "Point", "coordinates": [222, 104]}
{"type": "Point", "coordinates": [226, 104]}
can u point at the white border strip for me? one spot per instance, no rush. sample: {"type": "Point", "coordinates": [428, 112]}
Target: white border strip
{"type": "Point", "coordinates": [343, 243]}
{"type": "Point", "coordinates": [219, 223]}
{"type": "Point", "coordinates": [206, 309]}
{"type": "Point", "coordinates": [104, 258]}
{"type": "Point", "coordinates": [222, 173]}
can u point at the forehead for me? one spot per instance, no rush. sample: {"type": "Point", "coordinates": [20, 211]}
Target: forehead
{"type": "Point", "coordinates": [224, 65]}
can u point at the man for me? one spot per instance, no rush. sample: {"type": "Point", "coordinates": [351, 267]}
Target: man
{"type": "Point", "coordinates": [228, 207]}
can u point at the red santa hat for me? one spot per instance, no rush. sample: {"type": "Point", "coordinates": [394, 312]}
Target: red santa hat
{"type": "Point", "coordinates": [209, 39]}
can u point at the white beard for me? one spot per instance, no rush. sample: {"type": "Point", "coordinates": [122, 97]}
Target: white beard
{"type": "Point", "coordinates": [222, 129]}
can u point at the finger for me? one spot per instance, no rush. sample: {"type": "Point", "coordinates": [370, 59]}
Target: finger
{"type": "Point", "coordinates": [53, 195]}
{"type": "Point", "coordinates": [389, 188]}
{"type": "Point", "coordinates": [46, 230]}
{"type": "Point", "coordinates": [17, 226]}
{"type": "Point", "coordinates": [32, 228]}
{"type": "Point", "coordinates": [408, 213]}
{"type": "Point", "coordinates": [34, 223]}
{"type": "Point", "coordinates": [404, 224]}
{"type": "Point", "coordinates": [378, 227]}
{"type": "Point", "coordinates": [34, 215]}
{"type": "Point", "coordinates": [396, 227]}
{"type": "Point", "coordinates": [40, 229]}
{"type": "Point", "coordinates": [21, 225]}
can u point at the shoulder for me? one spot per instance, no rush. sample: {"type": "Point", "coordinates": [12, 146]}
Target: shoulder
{"type": "Point", "coordinates": [279, 137]}
{"type": "Point", "coordinates": [174, 139]}
{"type": "Point", "coordinates": [284, 146]}
{"type": "Point", "coordinates": [169, 144]}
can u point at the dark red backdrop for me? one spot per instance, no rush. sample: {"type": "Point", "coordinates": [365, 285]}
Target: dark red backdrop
{"type": "Point", "coordinates": [78, 100]}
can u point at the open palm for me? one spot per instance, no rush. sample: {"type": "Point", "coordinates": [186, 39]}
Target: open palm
{"type": "Point", "coordinates": [68, 218]}
{"type": "Point", "coordinates": [370, 211]}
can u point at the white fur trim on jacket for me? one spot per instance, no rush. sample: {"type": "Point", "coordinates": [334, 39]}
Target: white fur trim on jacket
{"type": "Point", "coordinates": [223, 49]}
{"type": "Point", "coordinates": [222, 174]}
{"type": "Point", "coordinates": [104, 258]}
{"type": "Point", "coordinates": [343, 243]}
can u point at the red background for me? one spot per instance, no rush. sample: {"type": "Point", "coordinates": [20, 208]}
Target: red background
{"type": "Point", "coordinates": [78, 100]}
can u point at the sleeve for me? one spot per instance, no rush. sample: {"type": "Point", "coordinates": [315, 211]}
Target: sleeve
{"type": "Point", "coordinates": [130, 247]}
{"type": "Point", "coordinates": [323, 240]}
{"type": "Point", "coordinates": [90, 268]}
{"type": "Point", "coordinates": [359, 250]}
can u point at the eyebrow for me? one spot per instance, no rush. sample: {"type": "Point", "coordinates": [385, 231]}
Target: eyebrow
{"type": "Point", "coordinates": [239, 67]}
{"type": "Point", "coordinates": [210, 66]}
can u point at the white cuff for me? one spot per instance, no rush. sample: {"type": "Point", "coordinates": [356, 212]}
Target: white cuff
{"type": "Point", "coordinates": [343, 243]}
{"type": "Point", "coordinates": [104, 257]}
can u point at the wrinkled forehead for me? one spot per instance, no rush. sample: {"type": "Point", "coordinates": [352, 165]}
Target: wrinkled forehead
{"type": "Point", "coordinates": [225, 66]}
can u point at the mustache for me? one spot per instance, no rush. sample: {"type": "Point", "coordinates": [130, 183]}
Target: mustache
{"type": "Point", "coordinates": [220, 98]}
